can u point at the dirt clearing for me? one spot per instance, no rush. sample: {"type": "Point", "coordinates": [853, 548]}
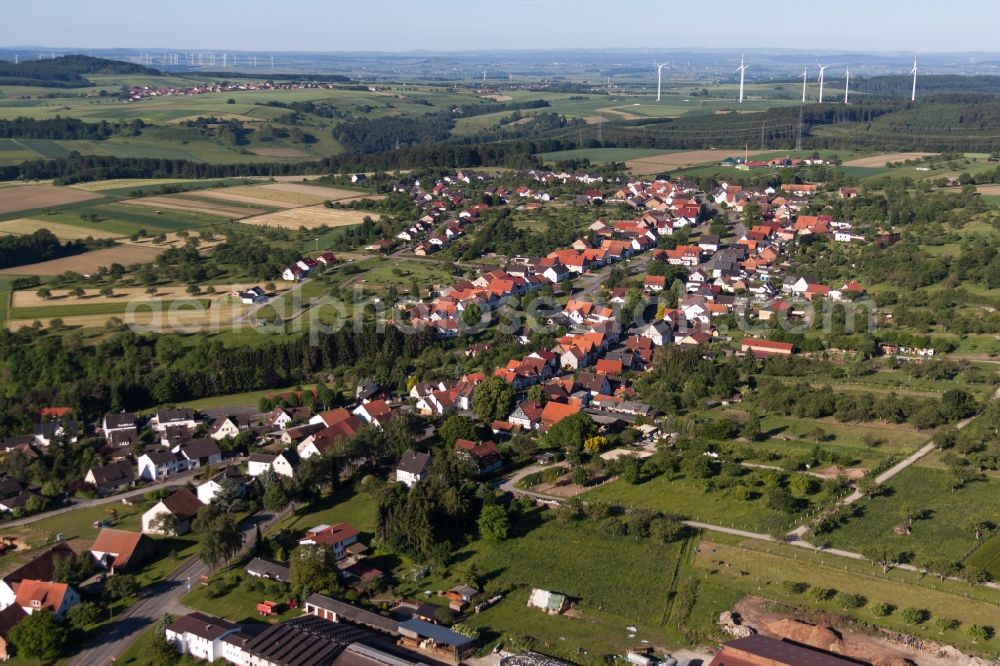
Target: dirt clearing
{"type": "Point", "coordinates": [193, 206]}
{"type": "Point", "coordinates": [879, 161]}
{"type": "Point", "coordinates": [28, 197]}
{"type": "Point", "coordinates": [309, 217]}
{"type": "Point", "coordinates": [681, 160]}
{"type": "Point", "coordinates": [25, 226]}
{"type": "Point", "coordinates": [89, 262]}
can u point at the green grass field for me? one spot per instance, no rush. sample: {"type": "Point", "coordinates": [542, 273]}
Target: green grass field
{"type": "Point", "coordinates": [800, 436]}
{"type": "Point", "coordinates": [601, 155]}
{"type": "Point", "coordinates": [48, 312]}
{"type": "Point", "coordinates": [943, 534]}
{"type": "Point", "coordinates": [673, 493]}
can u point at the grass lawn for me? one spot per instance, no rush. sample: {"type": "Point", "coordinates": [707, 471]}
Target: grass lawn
{"type": "Point", "coordinates": [239, 604]}
{"type": "Point", "coordinates": [795, 436]}
{"type": "Point", "coordinates": [343, 505]}
{"type": "Point", "coordinates": [673, 493]}
{"type": "Point", "coordinates": [986, 557]}
{"type": "Point", "coordinates": [944, 534]}
{"type": "Point", "coordinates": [251, 398]}
{"type": "Point", "coordinates": [760, 568]}
{"type": "Point", "coordinates": [609, 597]}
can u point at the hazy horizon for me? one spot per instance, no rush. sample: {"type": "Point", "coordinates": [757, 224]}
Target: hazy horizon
{"type": "Point", "coordinates": [518, 25]}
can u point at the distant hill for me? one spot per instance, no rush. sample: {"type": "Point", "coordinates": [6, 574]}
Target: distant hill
{"type": "Point", "coordinates": [927, 84]}
{"type": "Point", "coordinates": [65, 71]}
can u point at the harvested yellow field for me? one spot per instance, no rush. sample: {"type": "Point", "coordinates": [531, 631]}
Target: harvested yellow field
{"type": "Point", "coordinates": [100, 185]}
{"type": "Point", "coordinates": [309, 217]}
{"type": "Point", "coordinates": [284, 195]}
{"type": "Point", "coordinates": [89, 262]}
{"type": "Point", "coordinates": [223, 293]}
{"type": "Point", "coordinates": [178, 202]}
{"type": "Point", "coordinates": [64, 232]}
{"type": "Point", "coordinates": [28, 197]}
{"type": "Point", "coordinates": [217, 317]}
{"type": "Point", "coordinates": [879, 161]}
{"type": "Point", "coordinates": [681, 160]}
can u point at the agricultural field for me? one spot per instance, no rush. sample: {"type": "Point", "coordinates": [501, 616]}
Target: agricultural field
{"type": "Point", "coordinates": [185, 202]}
{"type": "Point", "coordinates": [679, 160]}
{"type": "Point", "coordinates": [126, 183]}
{"type": "Point", "coordinates": [285, 195]}
{"type": "Point", "coordinates": [601, 155]}
{"type": "Point", "coordinates": [88, 262]}
{"type": "Point", "coordinates": [309, 217]}
{"type": "Point", "coordinates": [879, 161]}
{"type": "Point", "coordinates": [64, 232]}
{"type": "Point", "coordinates": [222, 292]}
{"type": "Point", "coordinates": [33, 197]}
{"type": "Point", "coordinates": [187, 316]}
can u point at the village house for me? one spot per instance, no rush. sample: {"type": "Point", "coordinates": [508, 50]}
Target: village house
{"type": "Point", "coordinates": [766, 347]}
{"type": "Point", "coordinates": [120, 429]}
{"type": "Point", "coordinates": [228, 426]}
{"type": "Point", "coordinates": [413, 466]}
{"type": "Point", "coordinates": [484, 454]}
{"type": "Point", "coordinates": [118, 551]}
{"type": "Point", "coordinates": [110, 478]}
{"type": "Point", "coordinates": [527, 415]}
{"type": "Point", "coordinates": [200, 635]}
{"type": "Point", "coordinates": [183, 506]}
{"type": "Point", "coordinates": [335, 537]}
{"type": "Point", "coordinates": [42, 595]}
{"type": "Point", "coordinates": [173, 418]}
{"type": "Point", "coordinates": [199, 452]}
{"type": "Point", "coordinates": [155, 465]}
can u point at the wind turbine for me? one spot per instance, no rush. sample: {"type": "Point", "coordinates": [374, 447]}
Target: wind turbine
{"type": "Point", "coordinates": [659, 77]}
{"type": "Point", "coordinates": [822, 68]}
{"type": "Point", "coordinates": [805, 73]}
{"type": "Point", "coordinates": [742, 70]}
{"type": "Point", "coordinates": [484, 78]}
{"type": "Point", "coordinates": [913, 95]}
{"type": "Point", "coordinates": [847, 83]}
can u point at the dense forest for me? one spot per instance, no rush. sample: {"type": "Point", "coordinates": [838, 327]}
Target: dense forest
{"type": "Point", "coordinates": [65, 71]}
{"type": "Point", "coordinates": [66, 128]}
{"type": "Point", "coordinates": [39, 246]}
{"type": "Point", "coordinates": [130, 371]}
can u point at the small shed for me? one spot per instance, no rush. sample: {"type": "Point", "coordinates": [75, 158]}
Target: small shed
{"type": "Point", "coordinates": [552, 603]}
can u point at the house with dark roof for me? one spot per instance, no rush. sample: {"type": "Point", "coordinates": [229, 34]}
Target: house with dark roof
{"type": "Point", "coordinates": [110, 478]}
{"type": "Point", "coordinates": [9, 617]}
{"type": "Point", "coordinates": [262, 567]}
{"type": "Point", "coordinates": [173, 418]}
{"type": "Point", "coordinates": [200, 635]}
{"type": "Point", "coordinates": [155, 465]}
{"type": "Point", "coordinates": [182, 505]}
{"type": "Point", "coordinates": [758, 650]}
{"type": "Point", "coordinates": [65, 429]}
{"type": "Point", "coordinates": [413, 466]}
{"type": "Point", "coordinates": [199, 452]}
{"type": "Point", "coordinates": [121, 550]}
{"type": "Point", "coordinates": [122, 423]}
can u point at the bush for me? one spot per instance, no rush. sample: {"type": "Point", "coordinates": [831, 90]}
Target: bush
{"type": "Point", "coordinates": [824, 593]}
{"type": "Point", "coordinates": [978, 632]}
{"type": "Point", "coordinates": [913, 615]}
{"type": "Point", "coordinates": [796, 587]}
{"type": "Point", "coordinates": [850, 601]}
{"type": "Point", "coordinates": [880, 609]}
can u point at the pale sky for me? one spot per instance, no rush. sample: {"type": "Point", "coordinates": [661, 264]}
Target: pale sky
{"type": "Point", "coordinates": [452, 25]}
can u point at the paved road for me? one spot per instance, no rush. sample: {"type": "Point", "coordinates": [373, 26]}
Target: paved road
{"type": "Point", "coordinates": [160, 599]}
